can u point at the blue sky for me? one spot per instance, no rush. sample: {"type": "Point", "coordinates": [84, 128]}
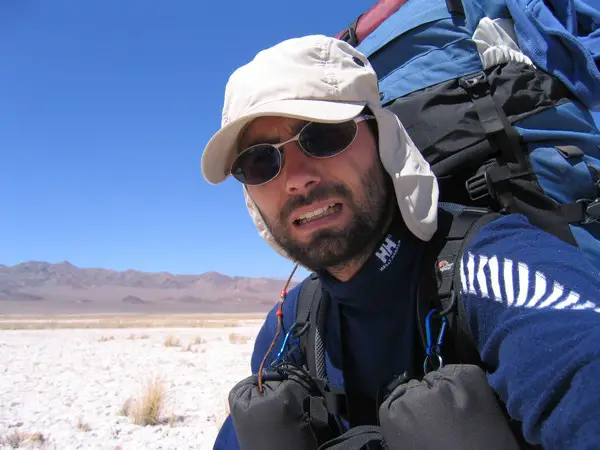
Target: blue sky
{"type": "Point", "coordinates": [105, 107]}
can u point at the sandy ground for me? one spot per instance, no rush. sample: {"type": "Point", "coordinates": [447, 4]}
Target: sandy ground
{"type": "Point", "coordinates": [70, 385]}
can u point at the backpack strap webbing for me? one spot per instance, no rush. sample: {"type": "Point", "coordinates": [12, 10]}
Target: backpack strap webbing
{"type": "Point", "coordinates": [456, 230]}
{"type": "Point", "coordinates": [439, 286]}
{"type": "Point", "coordinates": [310, 316]}
{"type": "Point", "coordinates": [356, 438]}
{"type": "Point", "coordinates": [465, 346]}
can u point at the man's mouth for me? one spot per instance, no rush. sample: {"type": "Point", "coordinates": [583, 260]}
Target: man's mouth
{"type": "Point", "coordinates": [318, 213]}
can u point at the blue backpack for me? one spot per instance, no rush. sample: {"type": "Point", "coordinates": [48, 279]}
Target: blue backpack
{"type": "Point", "coordinates": [497, 96]}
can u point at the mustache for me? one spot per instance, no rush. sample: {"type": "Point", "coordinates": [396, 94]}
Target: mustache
{"type": "Point", "coordinates": [322, 192]}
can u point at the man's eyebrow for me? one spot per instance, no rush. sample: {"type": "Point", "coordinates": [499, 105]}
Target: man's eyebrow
{"type": "Point", "coordinates": [252, 142]}
{"type": "Point", "coordinates": [269, 140]}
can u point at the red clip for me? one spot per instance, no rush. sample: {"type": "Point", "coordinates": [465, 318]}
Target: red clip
{"type": "Point", "coordinates": [283, 294]}
{"type": "Point", "coordinates": [279, 312]}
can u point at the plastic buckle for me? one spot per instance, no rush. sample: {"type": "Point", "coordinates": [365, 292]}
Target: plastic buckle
{"type": "Point", "coordinates": [592, 211]}
{"type": "Point", "coordinates": [476, 84]}
{"type": "Point", "coordinates": [478, 187]}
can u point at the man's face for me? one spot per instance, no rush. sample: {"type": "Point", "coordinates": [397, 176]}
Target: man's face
{"type": "Point", "coordinates": [322, 212]}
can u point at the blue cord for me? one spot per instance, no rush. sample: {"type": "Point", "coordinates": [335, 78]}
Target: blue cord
{"type": "Point", "coordinates": [287, 336]}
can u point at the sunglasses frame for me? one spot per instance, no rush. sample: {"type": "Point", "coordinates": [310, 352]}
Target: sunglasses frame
{"type": "Point", "coordinates": [278, 146]}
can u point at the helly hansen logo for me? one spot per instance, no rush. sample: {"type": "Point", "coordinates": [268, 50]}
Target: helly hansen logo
{"type": "Point", "coordinates": [387, 251]}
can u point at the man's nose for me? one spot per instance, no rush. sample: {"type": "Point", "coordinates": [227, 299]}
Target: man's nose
{"type": "Point", "coordinates": [299, 170]}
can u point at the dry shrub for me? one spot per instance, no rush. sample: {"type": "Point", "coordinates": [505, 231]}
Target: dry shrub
{"type": "Point", "coordinates": [17, 439]}
{"type": "Point", "coordinates": [36, 438]}
{"type": "Point", "coordinates": [106, 338]}
{"type": "Point", "coordinates": [236, 338]}
{"type": "Point", "coordinates": [198, 340]}
{"type": "Point", "coordinates": [147, 409]}
{"type": "Point", "coordinates": [189, 348]}
{"type": "Point", "coordinates": [172, 341]}
{"type": "Point", "coordinates": [12, 440]}
{"type": "Point", "coordinates": [82, 426]}
{"type": "Point", "coordinates": [126, 408]}
{"type": "Point", "coordinates": [133, 337]}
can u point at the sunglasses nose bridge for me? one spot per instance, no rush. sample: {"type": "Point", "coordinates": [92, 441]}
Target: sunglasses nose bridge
{"type": "Point", "coordinates": [298, 168]}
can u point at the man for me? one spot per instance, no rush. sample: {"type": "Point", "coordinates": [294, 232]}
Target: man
{"type": "Point", "coordinates": [334, 183]}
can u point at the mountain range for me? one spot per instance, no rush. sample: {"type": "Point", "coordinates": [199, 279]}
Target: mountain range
{"type": "Point", "coordinates": [37, 287]}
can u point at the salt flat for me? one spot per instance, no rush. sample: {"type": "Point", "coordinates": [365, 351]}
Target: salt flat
{"type": "Point", "coordinates": [70, 385]}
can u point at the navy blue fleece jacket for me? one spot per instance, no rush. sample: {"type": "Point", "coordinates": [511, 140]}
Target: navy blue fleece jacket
{"type": "Point", "coordinates": [533, 307]}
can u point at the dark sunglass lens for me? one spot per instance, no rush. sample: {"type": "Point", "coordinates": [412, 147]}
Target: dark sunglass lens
{"type": "Point", "coordinates": [326, 139]}
{"type": "Point", "coordinates": [257, 165]}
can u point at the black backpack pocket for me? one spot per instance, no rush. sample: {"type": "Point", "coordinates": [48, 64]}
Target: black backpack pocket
{"type": "Point", "coordinates": [450, 408]}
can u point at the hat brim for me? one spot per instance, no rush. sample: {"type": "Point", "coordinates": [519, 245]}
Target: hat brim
{"type": "Point", "coordinates": [218, 153]}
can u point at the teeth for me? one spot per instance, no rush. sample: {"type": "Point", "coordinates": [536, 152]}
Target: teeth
{"type": "Point", "coordinates": [316, 212]}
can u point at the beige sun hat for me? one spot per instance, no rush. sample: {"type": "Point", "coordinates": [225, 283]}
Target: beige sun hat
{"type": "Point", "coordinates": [322, 79]}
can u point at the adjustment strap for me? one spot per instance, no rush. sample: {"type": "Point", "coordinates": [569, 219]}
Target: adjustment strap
{"type": "Point", "coordinates": [355, 439]}
{"type": "Point", "coordinates": [582, 211]}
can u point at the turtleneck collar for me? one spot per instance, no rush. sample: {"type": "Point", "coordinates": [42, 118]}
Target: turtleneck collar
{"type": "Point", "coordinates": [392, 256]}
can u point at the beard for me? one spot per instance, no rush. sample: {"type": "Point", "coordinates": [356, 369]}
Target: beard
{"type": "Point", "coordinates": [337, 247]}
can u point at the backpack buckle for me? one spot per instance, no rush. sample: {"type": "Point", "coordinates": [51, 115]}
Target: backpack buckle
{"type": "Point", "coordinates": [479, 187]}
{"type": "Point", "coordinates": [476, 85]}
{"type": "Point", "coordinates": [589, 209]}
{"type": "Point", "coordinates": [592, 211]}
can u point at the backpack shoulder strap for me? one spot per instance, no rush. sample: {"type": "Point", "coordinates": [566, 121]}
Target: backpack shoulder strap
{"type": "Point", "coordinates": [310, 316]}
{"type": "Point", "coordinates": [466, 348]}
{"type": "Point", "coordinates": [439, 286]}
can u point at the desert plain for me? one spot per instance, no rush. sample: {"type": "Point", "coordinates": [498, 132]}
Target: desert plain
{"type": "Point", "coordinates": [120, 381]}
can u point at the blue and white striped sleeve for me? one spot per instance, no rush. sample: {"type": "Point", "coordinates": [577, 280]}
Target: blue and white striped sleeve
{"type": "Point", "coordinates": [533, 306]}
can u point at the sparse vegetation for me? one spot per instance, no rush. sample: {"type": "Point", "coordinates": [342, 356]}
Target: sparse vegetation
{"type": "Point", "coordinates": [236, 338]}
{"type": "Point", "coordinates": [198, 340]}
{"type": "Point", "coordinates": [16, 439]}
{"type": "Point", "coordinates": [12, 440]}
{"type": "Point", "coordinates": [126, 408]}
{"type": "Point", "coordinates": [147, 410]}
{"type": "Point", "coordinates": [83, 426]}
{"type": "Point", "coordinates": [134, 337]}
{"type": "Point", "coordinates": [35, 438]}
{"type": "Point", "coordinates": [138, 321]}
{"type": "Point", "coordinates": [172, 341]}
{"type": "Point", "coordinates": [106, 338]}
{"type": "Point", "coordinates": [189, 348]}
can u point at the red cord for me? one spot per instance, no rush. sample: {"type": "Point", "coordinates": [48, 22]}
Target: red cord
{"type": "Point", "coordinates": [279, 315]}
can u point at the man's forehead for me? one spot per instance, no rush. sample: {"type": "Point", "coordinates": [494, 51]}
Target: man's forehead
{"type": "Point", "coordinates": [269, 129]}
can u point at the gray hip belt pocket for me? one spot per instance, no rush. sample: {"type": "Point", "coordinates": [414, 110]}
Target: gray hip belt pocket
{"type": "Point", "coordinates": [289, 413]}
{"type": "Point", "coordinates": [451, 408]}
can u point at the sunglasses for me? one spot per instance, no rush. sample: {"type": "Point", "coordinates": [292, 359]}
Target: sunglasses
{"type": "Point", "coordinates": [261, 163]}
